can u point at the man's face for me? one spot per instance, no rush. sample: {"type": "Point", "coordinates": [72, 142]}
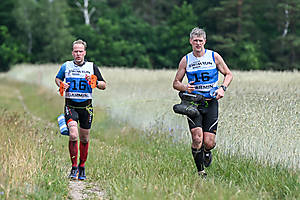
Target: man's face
{"type": "Point", "coordinates": [78, 53]}
{"type": "Point", "coordinates": [197, 43]}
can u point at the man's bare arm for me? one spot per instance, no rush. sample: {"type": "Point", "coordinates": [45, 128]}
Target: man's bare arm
{"type": "Point", "coordinates": [223, 68]}
{"type": "Point", "coordinates": [177, 83]}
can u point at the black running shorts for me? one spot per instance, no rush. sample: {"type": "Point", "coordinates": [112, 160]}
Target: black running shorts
{"type": "Point", "coordinates": [208, 118]}
{"type": "Point", "coordinates": [82, 112]}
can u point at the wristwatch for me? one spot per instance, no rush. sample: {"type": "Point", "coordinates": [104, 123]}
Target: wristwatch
{"type": "Point", "coordinates": [224, 87]}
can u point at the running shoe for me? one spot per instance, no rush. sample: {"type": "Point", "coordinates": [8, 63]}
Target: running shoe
{"type": "Point", "coordinates": [207, 158]}
{"type": "Point", "coordinates": [81, 175]}
{"type": "Point", "coordinates": [202, 174]}
{"type": "Point", "coordinates": [73, 173]}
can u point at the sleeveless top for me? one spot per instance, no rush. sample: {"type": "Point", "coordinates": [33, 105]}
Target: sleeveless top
{"type": "Point", "coordinates": [79, 89]}
{"type": "Point", "coordinates": [203, 71]}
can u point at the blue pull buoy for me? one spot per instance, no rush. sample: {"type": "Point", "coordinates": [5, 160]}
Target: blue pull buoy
{"type": "Point", "coordinates": [62, 125]}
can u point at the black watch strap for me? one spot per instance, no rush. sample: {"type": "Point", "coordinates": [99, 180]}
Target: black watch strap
{"type": "Point", "coordinates": [224, 87]}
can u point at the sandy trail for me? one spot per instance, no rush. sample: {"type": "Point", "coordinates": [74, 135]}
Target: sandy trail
{"type": "Point", "coordinates": [79, 190]}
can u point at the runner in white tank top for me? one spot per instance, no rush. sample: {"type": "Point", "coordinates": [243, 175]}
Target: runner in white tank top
{"type": "Point", "coordinates": [202, 67]}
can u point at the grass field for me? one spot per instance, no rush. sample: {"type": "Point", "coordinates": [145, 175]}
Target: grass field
{"type": "Point", "coordinates": [259, 116]}
{"type": "Point", "coordinates": [150, 161]}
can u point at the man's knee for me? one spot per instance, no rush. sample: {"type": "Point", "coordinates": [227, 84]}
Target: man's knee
{"type": "Point", "coordinates": [197, 135]}
{"type": "Point", "coordinates": [84, 135]}
{"type": "Point", "coordinates": [209, 141]}
{"type": "Point", "coordinates": [72, 125]}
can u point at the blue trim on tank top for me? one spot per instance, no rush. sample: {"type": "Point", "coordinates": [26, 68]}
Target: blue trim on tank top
{"type": "Point", "coordinates": [213, 56]}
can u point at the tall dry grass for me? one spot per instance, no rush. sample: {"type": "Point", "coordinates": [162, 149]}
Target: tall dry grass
{"type": "Point", "coordinates": [30, 151]}
{"type": "Point", "coordinates": [129, 165]}
{"type": "Point", "coordinates": [259, 115]}
{"type": "Point", "coordinates": [19, 165]}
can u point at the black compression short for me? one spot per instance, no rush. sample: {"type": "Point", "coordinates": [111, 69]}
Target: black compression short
{"type": "Point", "coordinates": [79, 111]}
{"type": "Point", "coordinates": [208, 118]}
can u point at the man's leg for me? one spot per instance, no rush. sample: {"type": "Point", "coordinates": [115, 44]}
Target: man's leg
{"type": "Point", "coordinates": [73, 147]}
{"type": "Point", "coordinates": [197, 151]}
{"type": "Point", "coordinates": [83, 147]}
{"type": "Point", "coordinates": [210, 125]}
{"type": "Point", "coordinates": [209, 143]}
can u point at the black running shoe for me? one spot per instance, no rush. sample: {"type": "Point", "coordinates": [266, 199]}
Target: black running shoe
{"type": "Point", "coordinates": [73, 173]}
{"type": "Point", "coordinates": [207, 158]}
{"type": "Point", "coordinates": [81, 175]}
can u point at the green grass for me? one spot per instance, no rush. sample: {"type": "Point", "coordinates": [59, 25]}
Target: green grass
{"type": "Point", "coordinates": [125, 163]}
{"type": "Point", "coordinates": [259, 116]}
{"type": "Point", "coordinates": [29, 169]}
{"type": "Point", "coordinates": [153, 167]}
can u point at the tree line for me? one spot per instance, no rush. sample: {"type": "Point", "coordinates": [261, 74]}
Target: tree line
{"type": "Point", "coordinates": [249, 34]}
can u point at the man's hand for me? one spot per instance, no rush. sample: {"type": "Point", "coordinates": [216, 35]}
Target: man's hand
{"type": "Point", "coordinates": [63, 87]}
{"type": "Point", "coordinates": [92, 80]}
{"type": "Point", "coordinates": [220, 93]}
{"type": "Point", "coordinates": [190, 87]}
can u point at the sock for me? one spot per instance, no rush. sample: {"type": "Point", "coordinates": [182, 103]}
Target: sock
{"type": "Point", "coordinates": [73, 149]}
{"type": "Point", "coordinates": [83, 153]}
{"type": "Point", "coordinates": [198, 158]}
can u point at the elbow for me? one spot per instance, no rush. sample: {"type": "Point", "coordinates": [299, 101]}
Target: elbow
{"type": "Point", "coordinates": [102, 85]}
{"type": "Point", "coordinates": [57, 81]}
{"type": "Point", "coordinates": [174, 85]}
{"type": "Point", "coordinates": [231, 76]}
{"type": "Point", "coordinates": [177, 85]}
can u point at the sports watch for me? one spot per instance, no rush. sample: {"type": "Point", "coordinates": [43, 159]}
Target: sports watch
{"type": "Point", "coordinates": [224, 87]}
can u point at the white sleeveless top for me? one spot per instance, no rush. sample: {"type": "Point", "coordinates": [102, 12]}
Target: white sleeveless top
{"type": "Point", "coordinates": [203, 71]}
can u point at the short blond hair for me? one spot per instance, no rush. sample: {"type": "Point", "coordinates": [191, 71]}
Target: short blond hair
{"type": "Point", "coordinates": [197, 32]}
{"type": "Point", "coordinates": [80, 42]}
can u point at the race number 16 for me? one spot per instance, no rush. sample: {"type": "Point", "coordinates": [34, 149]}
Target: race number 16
{"type": "Point", "coordinates": [82, 85]}
{"type": "Point", "coordinates": [203, 76]}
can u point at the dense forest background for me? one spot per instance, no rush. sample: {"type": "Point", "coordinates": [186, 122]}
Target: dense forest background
{"type": "Point", "coordinates": [249, 34]}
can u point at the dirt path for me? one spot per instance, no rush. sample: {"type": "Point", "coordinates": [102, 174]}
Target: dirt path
{"type": "Point", "coordinates": [84, 190]}
{"type": "Point", "coordinates": [78, 190]}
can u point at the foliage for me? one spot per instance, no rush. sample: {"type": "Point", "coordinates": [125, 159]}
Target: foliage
{"type": "Point", "coordinates": [287, 41]}
{"type": "Point", "coordinates": [47, 37]}
{"type": "Point", "coordinates": [249, 34]}
{"type": "Point", "coordinates": [57, 39]}
{"type": "Point", "coordinates": [174, 38]}
{"type": "Point", "coordinates": [9, 51]}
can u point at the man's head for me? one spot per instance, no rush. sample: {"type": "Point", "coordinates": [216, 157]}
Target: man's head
{"type": "Point", "coordinates": [79, 52]}
{"type": "Point", "coordinates": [197, 32]}
{"type": "Point", "coordinates": [197, 39]}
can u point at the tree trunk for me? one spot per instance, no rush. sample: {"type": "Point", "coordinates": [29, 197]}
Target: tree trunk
{"type": "Point", "coordinates": [29, 48]}
{"type": "Point", "coordinates": [287, 21]}
{"type": "Point", "coordinates": [85, 11]}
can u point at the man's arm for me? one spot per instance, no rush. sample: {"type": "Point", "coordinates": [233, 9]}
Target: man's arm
{"type": "Point", "coordinates": [58, 81]}
{"type": "Point", "coordinates": [61, 76]}
{"type": "Point", "coordinates": [223, 68]}
{"type": "Point", "coordinates": [101, 84]}
{"type": "Point", "coordinates": [177, 83]}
